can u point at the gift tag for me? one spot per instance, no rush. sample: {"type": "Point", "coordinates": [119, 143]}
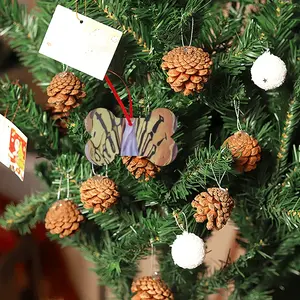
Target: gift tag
{"type": "Point", "coordinates": [13, 147]}
{"type": "Point", "coordinates": [150, 137]}
{"type": "Point", "coordinates": [81, 43]}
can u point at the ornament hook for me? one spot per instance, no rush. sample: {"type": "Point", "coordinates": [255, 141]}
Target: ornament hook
{"type": "Point", "coordinates": [237, 111]}
{"type": "Point", "coordinates": [68, 186]}
{"type": "Point", "coordinates": [59, 188]}
{"type": "Point", "coordinates": [152, 256]}
{"type": "Point", "coordinates": [218, 182]}
{"type": "Point", "coordinates": [192, 33]}
{"type": "Point", "coordinates": [180, 225]}
{"type": "Point", "coordinates": [93, 170]}
{"type": "Point", "coordinates": [65, 68]}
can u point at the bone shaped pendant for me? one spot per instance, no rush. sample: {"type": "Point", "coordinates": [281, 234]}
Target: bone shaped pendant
{"type": "Point", "coordinates": [149, 137]}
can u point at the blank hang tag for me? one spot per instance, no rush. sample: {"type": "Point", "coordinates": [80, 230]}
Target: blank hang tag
{"type": "Point", "coordinates": [12, 147]}
{"type": "Point", "coordinates": [85, 45]}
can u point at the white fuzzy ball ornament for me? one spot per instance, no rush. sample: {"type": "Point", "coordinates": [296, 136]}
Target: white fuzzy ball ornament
{"type": "Point", "coordinates": [268, 71]}
{"type": "Point", "coordinates": [188, 250]}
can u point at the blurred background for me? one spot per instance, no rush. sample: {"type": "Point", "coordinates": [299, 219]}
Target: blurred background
{"type": "Point", "coordinates": [32, 267]}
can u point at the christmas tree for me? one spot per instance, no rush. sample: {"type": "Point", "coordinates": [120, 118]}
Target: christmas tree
{"type": "Point", "coordinates": [238, 151]}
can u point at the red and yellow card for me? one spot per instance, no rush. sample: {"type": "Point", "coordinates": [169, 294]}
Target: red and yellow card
{"type": "Point", "coordinates": [13, 147]}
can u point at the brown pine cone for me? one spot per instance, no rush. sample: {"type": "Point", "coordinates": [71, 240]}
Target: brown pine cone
{"type": "Point", "coordinates": [63, 218]}
{"type": "Point", "coordinates": [99, 193]}
{"type": "Point", "coordinates": [150, 288]}
{"type": "Point", "coordinates": [245, 151]}
{"type": "Point", "coordinates": [188, 69]}
{"type": "Point", "coordinates": [65, 93]}
{"type": "Point", "coordinates": [215, 206]}
{"type": "Point", "coordinates": [140, 166]}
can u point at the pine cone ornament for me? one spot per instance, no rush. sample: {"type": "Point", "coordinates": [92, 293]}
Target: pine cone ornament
{"type": "Point", "coordinates": [215, 206]}
{"type": "Point", "coordinates": [63, 218]}
{"type": "Point", "coordinates": [65, 92]}
{"type": "Point", "coordinates": [150, 288]}
{"type": "Point", "coordinates": [245, 151]}
{"type": "Point", "coordinates": [188, 69]}
{"type": "Point", "coordinates": [99, 193]}
{"type": "Point", "coordinates": [140, 166]}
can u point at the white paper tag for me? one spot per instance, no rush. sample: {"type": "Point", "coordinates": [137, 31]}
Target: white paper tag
{"type": "Point", "coordinates": [88, 46]}
{"type": "Point", "coordinates": [12, 147]}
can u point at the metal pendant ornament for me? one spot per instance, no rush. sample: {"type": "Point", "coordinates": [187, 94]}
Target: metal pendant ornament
{"type": "Point", "coordinates": [149, 137]}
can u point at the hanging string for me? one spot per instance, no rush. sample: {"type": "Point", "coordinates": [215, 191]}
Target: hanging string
{"type": "Point", "coordinates": [81, 172]}
{"type": "Point", "coordinates": [81, 21]}
{"type": "Point", "coordinates": [68, 186]}
{"type": "Point", "coordinates": [127, 115]}
{"type": "Point", "coordinates": [181, 32]}
{"type": "Point", "coordinates": [192, 32]}
{"type": "Point", "coordinates": [65, 68]}
{"type": "Point", "coordinates": [176, 216]}
{"type": "Point", "coordinates": [222, 177]}
{"type": "Point", "coordinates": [237, 110]}
{"type": "Point", "coordinates": [93, 170]}
{"type": "Point", "coordinates": [85, 6]}
{"type": "Point", "coordinates": [152, 257]}
{"type": "Point", "coordinates": [6, 111]}
{"type": "Point", "coordinates": [59, 188]}
{"type": "Point", "coordinates": [148, 109]}
{"type": "Point", "coordinates": [218, 182]}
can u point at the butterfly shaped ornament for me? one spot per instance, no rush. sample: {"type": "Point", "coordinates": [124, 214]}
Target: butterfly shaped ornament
{"type": "Point", "coordinates": [149, 137]}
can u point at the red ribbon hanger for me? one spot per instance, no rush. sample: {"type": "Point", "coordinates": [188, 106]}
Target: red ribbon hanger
{"type": "Point", "coordinates": [127, 115]}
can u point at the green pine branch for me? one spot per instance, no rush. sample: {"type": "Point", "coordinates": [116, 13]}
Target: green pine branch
{"type": "Point", "coordinates": [91, 247]}
{"type": "Point", "coordinates": [25, 215]}
{"type": "Point", "coordinates": [207, 165]}
{"type": "Point", "coordinates": [267, 205]}
{"type": "Point", "coordinates": [284, 199]}
{"type": "Point", "coordinates": [243, 52]}
{"type": "Point", "coordinates": [221, 278]}
{"type": "Point", "coordinates": [25, 33]}
{"type": "Point", "coordinates": [18, 101]}
{"type": "Point", "coordinates": [277, 21]}
{"type": "Point", "coordinates": [291, 122]}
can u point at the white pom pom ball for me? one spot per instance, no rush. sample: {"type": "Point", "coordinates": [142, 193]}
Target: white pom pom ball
{"type": "Point", "coordinates": [188, 250]}
{"type": "Point", "coordinates": [268, 71]}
